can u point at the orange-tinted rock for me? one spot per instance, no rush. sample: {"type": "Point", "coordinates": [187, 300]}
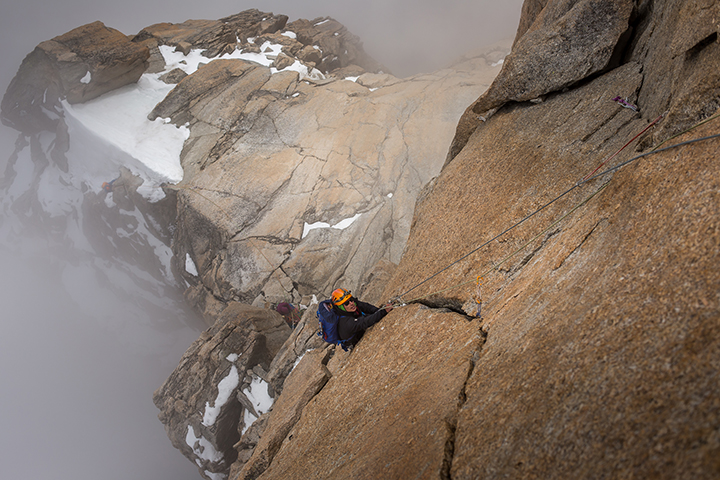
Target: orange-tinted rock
{"type": "Point", "coordinates": [567, 42]}
{"type": "Point", "coordinates": [601, 354]}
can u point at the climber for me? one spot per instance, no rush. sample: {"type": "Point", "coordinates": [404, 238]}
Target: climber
{"type": "Point", "coordinates": [289, 313]}
{"type": "Point", "coordinates": [108, 186]}
{"type": "Point", "coordinates": [355, 316]}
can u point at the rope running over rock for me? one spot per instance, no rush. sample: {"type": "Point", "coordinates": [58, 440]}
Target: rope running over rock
{"type": "Point", "coordinates": [398, 300]}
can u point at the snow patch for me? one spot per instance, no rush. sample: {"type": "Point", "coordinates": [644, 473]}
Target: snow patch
{"type": "Point", "coordinates": [226, 387]}
{"type": "Point", "coordinates": [187, 63]}
{"type": "Point", "coordinates": [320, 23]}
{"type": "Point", "coordinates": [303, 70]}
{"type": "Point", "coordinates": [119, 119]}
{"type": "Point", "coordinates": [215, 476]}
{"type": "Point", "coordinates": [297, 361]}
{"type": "Point", "coordinates": [201, 447]}
{"type": "Point", "coordinates": [260, 398]}
{"type": "Point", "coordinates": [248, 420]}
{"type": "Point", "coordinates": [289, 34]}
{"type": "Point", "coordinates": [499, 62]}
{"type": "Point", "coordinates": [342, 225]}
{"type": "Point", "coordinates": [190, 266]}
{"type": "Point", "coordinates": [86, 79]}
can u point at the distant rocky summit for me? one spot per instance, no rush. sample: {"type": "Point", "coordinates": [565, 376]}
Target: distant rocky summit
{"type": "Point", "coordinates": [557, 296]}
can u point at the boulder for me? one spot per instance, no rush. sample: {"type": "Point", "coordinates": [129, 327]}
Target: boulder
{"type": "Point", "coordinates": [69, 67]}
{"type": "Point", "coordinates": [173, 76]}
{"type": "Point", "coordinates": [216, 94]}
{"type": "Point", "coordinates": [310, 54]}
{"type": "Point", "coordinates": [283, 61]}
{"type": "Point", "coordinates": [567, 42]}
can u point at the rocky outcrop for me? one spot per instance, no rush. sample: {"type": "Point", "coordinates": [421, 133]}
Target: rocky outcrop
{"type": "Point", "coordinates": [204, 404]}
{"type": "Point", "coordinates": [338, 48]}
{"type": "Point", "coordinates": [70, 67]}
{"type": "Point", "coordinates": [305, 381]}
{"type": "Point", "coordinates": [594, 354]}
{"type": "Point", "coordinates": [552, 53]}
{"type": "Point", "coordinates": [272, 155]}
{"type": "Point", "coordinates": [581, 343]}
{"type": "Point", "coordinates": [213, 37]}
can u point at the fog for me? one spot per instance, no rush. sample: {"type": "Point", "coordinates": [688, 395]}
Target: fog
{"type": "Point", "coordinates": [82, 350]}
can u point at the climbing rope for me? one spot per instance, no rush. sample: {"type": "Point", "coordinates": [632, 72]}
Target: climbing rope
{"type": "Point", "coordinates": [623, 147]}
{"type": "Point", "coordinates": [520, 249]}
{"type": "Point", "coordinates": [398, 300]}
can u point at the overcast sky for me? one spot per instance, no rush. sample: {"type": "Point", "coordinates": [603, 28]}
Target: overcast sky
{"type": "Point", "coordinates": [393, 30]}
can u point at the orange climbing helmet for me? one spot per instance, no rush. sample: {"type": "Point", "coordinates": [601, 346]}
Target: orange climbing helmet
{"type": "Point", "coordinates": [340, 296]}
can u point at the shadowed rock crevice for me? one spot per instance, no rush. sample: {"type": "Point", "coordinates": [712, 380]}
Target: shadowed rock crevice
{"type": "Point", "coordinates": [452, 423]}
{"type": "Point", "coordinates": [450, 304]}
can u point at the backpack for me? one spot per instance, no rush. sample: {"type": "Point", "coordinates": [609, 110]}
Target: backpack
{"type": "Point", "coordinates": [328, 319]}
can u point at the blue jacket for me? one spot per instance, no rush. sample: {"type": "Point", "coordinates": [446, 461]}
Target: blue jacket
{"type": "Point", "coordinates": [363, 318]}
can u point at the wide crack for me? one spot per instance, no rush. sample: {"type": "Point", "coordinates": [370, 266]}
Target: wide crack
{"type": "Point", "coordinates": [452, 424]}
{"type": "Point", "coordinates": [446, 303]}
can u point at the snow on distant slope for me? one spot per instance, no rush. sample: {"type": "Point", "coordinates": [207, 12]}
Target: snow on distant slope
{"type": "Point", "coordinates": [150, 149]}
{"type": "Point", "coordinates": [119, 118]}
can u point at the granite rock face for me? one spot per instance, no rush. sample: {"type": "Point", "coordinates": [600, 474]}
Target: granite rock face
{"type": "Point", "coordinates": [301, 386]}
{"type": "Point", "coordinates": [274, 155]}
{"type": "Point", "coordinates": [389, 410]}
{"type": "Point", "coordinates": [582, 343]}
{"type": "Point", "coordinates": [553, 52]}
{"type": "Point", "coordinates": [601, 351]}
